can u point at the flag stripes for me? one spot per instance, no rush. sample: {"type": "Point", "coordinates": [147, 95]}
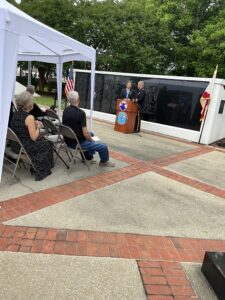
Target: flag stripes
{"type": "Point", "coordinates": [69, 82]}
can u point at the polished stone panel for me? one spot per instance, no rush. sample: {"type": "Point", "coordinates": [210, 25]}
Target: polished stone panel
{"type": "Point", "coordinates": [213, 268]}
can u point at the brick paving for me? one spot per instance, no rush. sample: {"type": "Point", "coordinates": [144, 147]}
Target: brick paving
{"type": "Point", "coordinates": [165, 280]}
{"type": "Point", "coordinates": [158, 257]}
{"type": "Point", "coordinates": [107, 244]}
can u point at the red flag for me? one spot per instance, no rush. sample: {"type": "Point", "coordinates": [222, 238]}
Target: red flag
{"type": "Point", "coordinates": [207, 95]}
{"type": "Point", "coordinates": [205, 99]}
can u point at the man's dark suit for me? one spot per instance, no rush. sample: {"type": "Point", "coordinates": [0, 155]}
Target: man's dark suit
{"type": "Point", "coordinates": [131, 94]}
{"type": "Point", "coordinates": [140, 96]}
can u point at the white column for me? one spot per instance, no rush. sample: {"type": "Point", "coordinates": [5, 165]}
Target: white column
{"type": "Point", "coordinates": [8, 62]}
{"type": "Point", "coordinates": [59, 68]}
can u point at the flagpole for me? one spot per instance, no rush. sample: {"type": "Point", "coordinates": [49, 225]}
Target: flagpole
{"type": "Point", "coordinates": [211, 93]}
{"type": "Point", "coordinates": [203, 125]}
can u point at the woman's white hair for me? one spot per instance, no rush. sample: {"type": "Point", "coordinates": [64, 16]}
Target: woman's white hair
{"type": "Point", "coordinates": [73, 97]}
{"type": "Point", "coordinates": [24, 101]}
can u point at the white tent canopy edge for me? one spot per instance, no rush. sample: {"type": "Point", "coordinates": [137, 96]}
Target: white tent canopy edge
{"type": "Point", "coordinates": [26, 39]}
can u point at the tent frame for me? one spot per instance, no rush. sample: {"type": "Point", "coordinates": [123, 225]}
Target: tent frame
{"type": "Point", "coordinates": [22, 38]}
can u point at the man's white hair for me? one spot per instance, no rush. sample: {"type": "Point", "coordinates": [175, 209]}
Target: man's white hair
{"type": "Point", "coordinates": [141, 82]}
{"type": "Point", "coordinates": [73, 97]}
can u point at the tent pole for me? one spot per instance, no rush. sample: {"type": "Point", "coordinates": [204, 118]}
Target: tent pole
{"type": "Point", "coordinates": [74, 78]}
{"type": "Point", "coordinates": [29, 73]}
{"type": "Point", "coordinates": [8, 63]}
{"type": "Point", "coordinates": [59, 68]}
{"type": "Point", "coordinates": [92, 93]}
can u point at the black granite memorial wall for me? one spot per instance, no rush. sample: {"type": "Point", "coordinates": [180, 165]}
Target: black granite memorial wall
{"type": "Point", "coordinates": [168, 101]}
{"type": "Point", "coordinates": [213, 268]}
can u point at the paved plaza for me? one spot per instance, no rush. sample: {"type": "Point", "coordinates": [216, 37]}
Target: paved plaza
{"type": "Point", "coordinates": [137, 231]}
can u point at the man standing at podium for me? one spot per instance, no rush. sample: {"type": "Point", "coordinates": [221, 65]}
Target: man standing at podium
{"type": "Point", "coordinates": [128, 92]}
{"type": "Point", "coordinates": [140, 100]}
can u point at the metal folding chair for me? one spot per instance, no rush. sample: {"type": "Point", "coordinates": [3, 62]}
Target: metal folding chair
{"type": "Point", "coordinates": [67, 132]}
{"type": "Point", "coordinates": [52, 131]}
{"type": "Point", "coordinates": [52, 116]}
{"type": "Point", "coordinates": [22, 156]}
{"type": "Point", "coordinates": [54, 137]}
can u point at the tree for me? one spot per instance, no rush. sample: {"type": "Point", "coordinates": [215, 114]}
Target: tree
{"type": "Point", "coordinates": [184, 19]}
{"type": "Point", "coordinates": [181, 37]}
{"type": "Point", "coordinates": [57, 14]}
{"type": "Point", "coordinates": [126, 36]}
{"type": "Point", "coordinates": [208, 47]}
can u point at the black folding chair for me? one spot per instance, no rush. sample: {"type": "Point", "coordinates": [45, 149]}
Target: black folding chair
{"type": "Point", "coordinates": [52, 116]}
{"type": "Point", "coordinates": [67, 132]}
{"type": "Point", "coordinates": [16, 158]}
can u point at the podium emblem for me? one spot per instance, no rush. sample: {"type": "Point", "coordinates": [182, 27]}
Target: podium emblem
{"type": "Point", "coordinates": [123, 105]}
{"type": "Point", "coordinates": [122, 118]}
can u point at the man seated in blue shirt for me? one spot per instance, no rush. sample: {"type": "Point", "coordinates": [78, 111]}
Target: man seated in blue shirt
{"type": "Point", "coordinates": [75, 118]}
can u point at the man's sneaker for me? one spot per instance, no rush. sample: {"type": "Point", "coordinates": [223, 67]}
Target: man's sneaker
{"type": "Point", "coordinates": [92, 162]}
{"type": "Point", "coordinates": [106, 164]}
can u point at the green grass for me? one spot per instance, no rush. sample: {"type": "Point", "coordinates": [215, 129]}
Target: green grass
{"type": "Point", "coordinates": [45, 101]}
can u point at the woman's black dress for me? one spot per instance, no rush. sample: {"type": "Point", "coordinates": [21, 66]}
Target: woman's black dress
{"type": "Point", "coordinates": [40, 151]}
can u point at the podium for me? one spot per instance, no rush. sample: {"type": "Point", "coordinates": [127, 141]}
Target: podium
{"type": "Point", "coordinates": [126, 111]}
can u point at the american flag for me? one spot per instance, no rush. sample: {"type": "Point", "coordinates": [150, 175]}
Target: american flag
{"type": "Point", "coordinates": [207, 95]}
{"type": "Point", "coordinates": [204, 101]}
{"type": "Point", "coordinates": [69, 82]}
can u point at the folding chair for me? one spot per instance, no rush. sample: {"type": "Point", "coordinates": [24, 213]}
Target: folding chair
{"type": "Point", "coordinates": [54, 137]}
{"type": "Point", "coordinates": [52, 116]}
{"type": "Point", "coordinates": [67, 132]}
{"type": "Point", "coordinates": [52, 131]}
{"type": "Point", "coordinates": [22, 156]}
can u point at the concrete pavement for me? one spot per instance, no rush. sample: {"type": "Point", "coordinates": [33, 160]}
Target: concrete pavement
{"type": "Point", "coordinates": [146, 204]}
{"type": "Point", "coordinates": [199, 281]}
{"type": "Point", "coordinates": [24, 183]}
{"type": "Point", "coordinates": [207, 168]}
{"type": "Point", "coordinates": [147, 147]}
{"type": "Point", "coordinates": [50, 277]}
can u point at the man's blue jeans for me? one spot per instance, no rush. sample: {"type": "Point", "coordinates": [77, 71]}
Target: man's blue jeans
{"type": "Point", "coordinates": [92, 147]}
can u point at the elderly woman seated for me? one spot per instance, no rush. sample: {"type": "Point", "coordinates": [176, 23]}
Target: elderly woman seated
{"type": "Point", "coordinates": [28, 131]}
{"type": "Point", "coordinates": [36, 110]}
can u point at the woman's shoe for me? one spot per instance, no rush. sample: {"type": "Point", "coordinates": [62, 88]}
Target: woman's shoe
{"type": "Point", "coordinates": [42, 177]}
{"type": "Point", "coordinates": [32, 171]}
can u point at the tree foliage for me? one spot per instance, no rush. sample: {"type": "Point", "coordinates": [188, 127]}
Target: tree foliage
{"type": "Point", "coordinates": [182, 37]}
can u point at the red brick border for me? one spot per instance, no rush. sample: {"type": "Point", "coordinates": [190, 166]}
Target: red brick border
{"type": "Point", "coordinates": [165, 280]}
{"type": "Point", "coordinates": [123, 158]}
{"type": "Point", "coordinates": [205, 187]}
{"type": "Point", "coordinates": [171, 159]}
{"type": "Point", "coordinates": [107, 244]}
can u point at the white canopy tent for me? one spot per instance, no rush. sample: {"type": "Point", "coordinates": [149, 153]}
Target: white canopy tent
{"type": "Point", "coordinates": [22, 38]}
